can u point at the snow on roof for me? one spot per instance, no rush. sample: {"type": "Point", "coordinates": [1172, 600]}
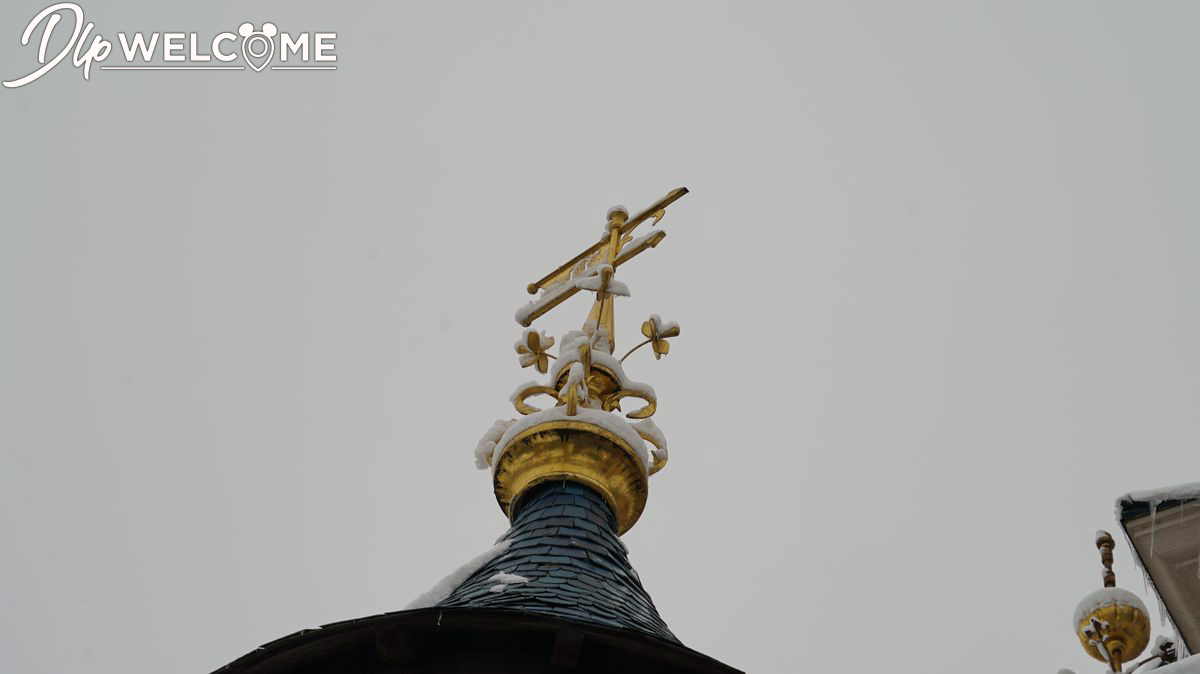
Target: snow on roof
{"type": "Point", "coordinates": [504, 580]}
{"type": "Point", "coordinates": [1180, 492]}
{"type": "Point", "coordinates": [1104, 597]}
{"type": "Point", "coordinates": [445, 586]}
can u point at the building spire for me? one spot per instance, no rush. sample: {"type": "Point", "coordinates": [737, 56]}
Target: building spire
{"type": "Point", "coordinates": [557, 591]}
{"type": "Point", "coordinates": [582, 437]}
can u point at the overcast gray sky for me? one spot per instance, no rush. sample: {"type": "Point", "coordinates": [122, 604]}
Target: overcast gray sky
{"type": "Point", "coordinates": [937, 279]}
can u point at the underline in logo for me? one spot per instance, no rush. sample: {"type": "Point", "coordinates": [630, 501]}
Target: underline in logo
{"type": "Point", "coordinates": [172, 67]}
{"type": "Point", "coordinates": [213, 67]}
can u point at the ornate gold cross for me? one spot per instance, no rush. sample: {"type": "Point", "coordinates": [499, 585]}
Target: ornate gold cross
{"type": "Point", "coordinates": [593, 269]}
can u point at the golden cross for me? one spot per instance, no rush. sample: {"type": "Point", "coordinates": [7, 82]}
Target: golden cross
{"type": "Point", "coordinates": [613, 250]}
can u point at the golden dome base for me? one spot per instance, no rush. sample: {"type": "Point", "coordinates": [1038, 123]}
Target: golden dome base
{"type": "Point", "coordinates": [573, 450]}
{"type": "Point", "coordinates": [1127, 634]}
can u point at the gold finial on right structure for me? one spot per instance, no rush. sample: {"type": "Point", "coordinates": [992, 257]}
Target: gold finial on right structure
{"type": "Point", "coordinates": [1104, 543]}
{"type": "Point", "coordinates": [1111, 623]}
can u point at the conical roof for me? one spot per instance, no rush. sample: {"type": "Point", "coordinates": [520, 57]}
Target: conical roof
{"type": "Point", "coordinates": [564, 559]}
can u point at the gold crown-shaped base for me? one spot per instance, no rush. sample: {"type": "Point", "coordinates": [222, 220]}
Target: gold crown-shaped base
{"type": "Point", "coordinates": [1128, 631]}
{"type": "Point", "coordinates": [578, 451]}
{"type": "Point", "coordinates": [601, 381]}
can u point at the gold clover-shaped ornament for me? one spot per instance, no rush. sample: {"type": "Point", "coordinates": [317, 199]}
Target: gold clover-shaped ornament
{"type": "Point", "coordinates": [532, 351]}
{"type": "Point", "coordinates": [658, 333]}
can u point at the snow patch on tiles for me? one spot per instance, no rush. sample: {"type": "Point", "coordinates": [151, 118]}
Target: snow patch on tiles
{"type": "Point", "coordinates": [505, 580]}
{"type": "Point", "coordinates": [445, 586]}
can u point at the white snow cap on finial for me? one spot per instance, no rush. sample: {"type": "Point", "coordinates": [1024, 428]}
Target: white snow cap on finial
{"type": "Point", "coordinates": [616, 209]}
{"type": "Point", "coordinates": [1104, 597]}
{"type": "Point", "coordinates": [487, 444]}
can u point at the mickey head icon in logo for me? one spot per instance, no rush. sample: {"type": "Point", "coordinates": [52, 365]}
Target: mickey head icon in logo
{"type": "Point", "coordinates": [262, 40]}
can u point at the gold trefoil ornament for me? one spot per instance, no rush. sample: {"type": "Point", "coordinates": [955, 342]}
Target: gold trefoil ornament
{"type": "Point", "coordinates": [657, 333]}
{"type": "Point", "coordinates": [531, 350]}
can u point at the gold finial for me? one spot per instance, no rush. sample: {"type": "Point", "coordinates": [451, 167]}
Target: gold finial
{"type": "Point", "coordinates": [1104, 543]}
{"type": "Point", "coordinates": [1111, 623]}
{"type": "Point", "coordinates": [580, 437]}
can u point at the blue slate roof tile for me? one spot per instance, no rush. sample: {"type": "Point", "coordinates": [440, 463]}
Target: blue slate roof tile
{"type": "Point", "coordinates": [574, 511]}
{"type": "Point", "coordinates": [564, 541]}
{"type": "Point", "coordinates": [584, 524]}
